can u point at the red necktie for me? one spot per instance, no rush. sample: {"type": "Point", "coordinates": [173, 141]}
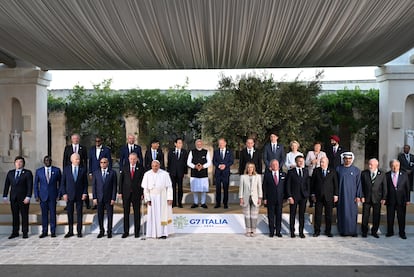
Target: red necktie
{"type": "Point", "coordinates": [275, 179]}
{"type": "Point", "coordinates": [132, 172]}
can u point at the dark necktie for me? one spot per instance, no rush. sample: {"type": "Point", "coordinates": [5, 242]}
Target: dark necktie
{"type": "Point", "coordinates": [17, 175]}
{"type": "Point", "coordinates": [273, 148]}
{"type": "Point", "coordinates": [103, 175]}
{"type": "Point", "coordinates": [300, 172]}
{"type": "Point", "coordinates": [222, 154]}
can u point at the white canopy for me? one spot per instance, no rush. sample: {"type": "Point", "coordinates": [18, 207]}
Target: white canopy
{"type": "Point", "coordinates": [187, 34]}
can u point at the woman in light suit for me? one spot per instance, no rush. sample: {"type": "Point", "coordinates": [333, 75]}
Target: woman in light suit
{"type": "Point", "coordinates": [250, 194]}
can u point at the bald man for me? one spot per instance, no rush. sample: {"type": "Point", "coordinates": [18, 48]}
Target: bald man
{"type": "Point", "coordinates": [373, 195]}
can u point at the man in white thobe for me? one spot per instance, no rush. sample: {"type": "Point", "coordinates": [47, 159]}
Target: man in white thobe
{"type": "Point", "coordinates": [158, 195]}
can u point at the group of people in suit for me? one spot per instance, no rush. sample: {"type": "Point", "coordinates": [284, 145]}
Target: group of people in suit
{"type": "Point", "coordinates": [328, 179]}
{"type": "Point", "coordinates": [321, 178]}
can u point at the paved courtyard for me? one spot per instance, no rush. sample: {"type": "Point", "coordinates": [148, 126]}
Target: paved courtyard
{"type": "Point", "coordinates": [208, 249]}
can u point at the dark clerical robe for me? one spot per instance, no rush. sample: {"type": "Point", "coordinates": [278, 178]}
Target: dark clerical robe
{"type": "Point", "coordinates": [349, 179]}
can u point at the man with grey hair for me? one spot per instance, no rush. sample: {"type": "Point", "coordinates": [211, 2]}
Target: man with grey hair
{"type": "Point", "coordinates": [74, 188]}
{"type": "Point", "coordinates": [324, 192]}
{"type": "Point", "coordinates": [398, 197]}
{"type": "Point", "coordinates": [373, 195]}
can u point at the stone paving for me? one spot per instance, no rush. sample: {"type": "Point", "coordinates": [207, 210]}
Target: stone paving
{"type": "Point", "coordinates": [208, 249]}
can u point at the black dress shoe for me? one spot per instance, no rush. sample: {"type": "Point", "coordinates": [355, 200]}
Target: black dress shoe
{"type": "Point", "coordinates": [100, 235]}
{"type": "Point", "coordinates": [180, 206]}
{"type": "Point", "coordinates": [80, 235]}
{"type": "Point", "coordinates": [389, 235]}
{"type": "Point", "coordinates": [174, 205]}
{"type": "Point", "coordinates": [354, 235]}
{"type": "Point", "coordinates": [315, 235]}
{"type": "Point", "coordinates": [364, 235]}
{"type": "Point", "coordinates": [292, 235]}
{"type": "Point", "coordinates": [375, 235]}
{"type": "Point", "coordinates": [53, 235]}
{"type": "Point", "coordinates": [94, 207]}
{"type": "Point", "coordinates": [163, 237]}
{"type": "Point", "coordinates": [194, 206]}
{"type": "Point", "coordinates": [204, 206]}
{"type": "Point", "coordinates": [68, 235]}
{"type": "Point", "coordinates": [109, 235]}
{"type": "Point", "coordinates": [25, 236]}
{"type": "Point", "coordinates": [43, 235]}
{"type": "Point", "coordinates": [226, 206]}
{"type": "Point", "coordinates": [136, 235]}
{"type": "Point", "coordinates": [12, 236]}
{"type": "Point", "coordinates": [217, 206]}
{"type": "Point", "coordinates": [271, 235]}
{"type": "Point", "coordinates": [329, 235]}
{"type": "Point", "coordinates": [302, 236]}
{"type": "Point", "coordinates": [279, 235]}
{"type": "Point", "coordinates": [403, 236]}
{"type": "Point", "coordinates": [125, 235]}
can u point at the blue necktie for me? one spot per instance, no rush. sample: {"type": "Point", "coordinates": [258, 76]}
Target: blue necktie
{"type": "Point", "coordinates": [75, 173]}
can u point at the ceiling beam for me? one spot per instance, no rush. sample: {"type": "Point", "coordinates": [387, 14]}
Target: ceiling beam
{"type": "Point", "coordinates": [7, 60]}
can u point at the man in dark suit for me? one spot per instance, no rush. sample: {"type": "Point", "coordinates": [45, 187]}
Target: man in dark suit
{"type": "Point", "coordinates": [74, 187]}
{"type": "Point", "coordinates": [250, 155]}
{"type": "Point", "coordinates": [274, 183]}
{"type": "Point", "coordinates": [131, 192]}
{"type": "Point", "coordinates": [128, 149]}
{"type": "Point", "coordinates": [373, 195]}
{"type": "Point", "coordinates": [398, 197]}
{"type": "Point", "coordinates": [177, 167]}
{"type": "Point", "coordinates": [324, 192]}
{"type": "Point", "coordinates": [407, 163]}
{"type": "Point", "coordinates": [273, 151]}
{"type": "Point", "coordinates": [75, 147]}
{"type": "Point", "coordinates": [154, 153]}
{"type": "Point", "coordinates": [46, 190]}
{"type": "Point", "coordinates": [222, 160]}
{"type": "Point", "coordinates": [20, 183]}
{"type": "Point", "coordinates": [96, 153]}
{"type": "Point", "coordinates": [104, 185]}
{"type": "Point", "coordinates": [334, 151]}
{"type": "Point", "coordinates": [297, 192]}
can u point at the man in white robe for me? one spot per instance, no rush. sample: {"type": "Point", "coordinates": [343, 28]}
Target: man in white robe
{"type": "Point", "coordinates": [158, 195]}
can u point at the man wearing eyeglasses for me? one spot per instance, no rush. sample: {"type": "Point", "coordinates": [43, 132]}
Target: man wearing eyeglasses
{"type": "Point", "coordinates": [104, 185]}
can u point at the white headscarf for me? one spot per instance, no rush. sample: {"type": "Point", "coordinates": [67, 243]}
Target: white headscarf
{"type": "Point", "coordinates": [347, 154]}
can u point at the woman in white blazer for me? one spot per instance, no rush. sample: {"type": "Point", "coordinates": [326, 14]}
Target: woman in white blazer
{"type": "Point", "coordinates": [250, 194]}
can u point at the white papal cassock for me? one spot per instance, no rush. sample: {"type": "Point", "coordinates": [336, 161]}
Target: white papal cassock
{"type": "Point", "coordinates": [158, 189]}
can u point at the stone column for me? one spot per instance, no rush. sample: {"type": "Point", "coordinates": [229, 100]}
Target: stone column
{"type": "Point", "coordinates": [396, 83]}
{"type": "Point", "coordinates": [58, 126]}
{"type": "Point", "coordinates": [27, 85]}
